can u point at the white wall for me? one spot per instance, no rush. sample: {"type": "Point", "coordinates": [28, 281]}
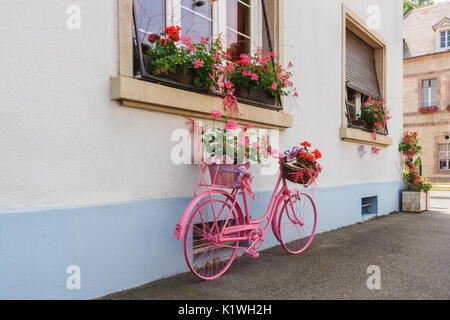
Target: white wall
{"type": "Point", "coordinates": [64, 143]}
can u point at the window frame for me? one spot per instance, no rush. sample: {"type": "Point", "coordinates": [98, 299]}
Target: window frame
{"type": "Point", "coordinates": [429, 89]}
{"type": "Point", "coordinates": [446, 33]}
{"type": "Point", "coordinates": [447, 158]}
{"type": "Point", "coordinates": [352, 22]}
{"type": "Point", "coordinates": [136, 93]}
{"type": "Point", "coordinates": [218, 20]}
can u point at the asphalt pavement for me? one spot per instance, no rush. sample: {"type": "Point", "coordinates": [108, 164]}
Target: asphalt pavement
{"type": "Point", "coordinates": [410, 251]}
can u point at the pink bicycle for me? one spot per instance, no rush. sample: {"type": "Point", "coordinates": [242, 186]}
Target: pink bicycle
{"type": "Point", "coordinates": [214, 226]}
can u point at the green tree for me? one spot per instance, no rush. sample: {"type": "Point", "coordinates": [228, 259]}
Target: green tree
{"type": "Point", "coordinates": [408, 5]}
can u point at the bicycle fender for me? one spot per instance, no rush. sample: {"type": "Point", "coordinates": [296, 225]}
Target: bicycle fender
{"type": "Point", "coordinates": [180, 227]}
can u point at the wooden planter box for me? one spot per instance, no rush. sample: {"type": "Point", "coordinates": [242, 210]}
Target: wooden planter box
{"type": "Point", "coordinates": [179, 75]}
{"type": "Point", "coordinates": [415, 201]}
{"type": "Point", "coordinates": [257, 95]}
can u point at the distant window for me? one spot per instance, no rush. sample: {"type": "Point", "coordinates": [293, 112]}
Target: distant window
{"type": "Point", "coordinates": [445, 39]}
{"type": "Point", "coordinates": [429, 92]}
{"type": "Point", "coordinates": [444, 157]}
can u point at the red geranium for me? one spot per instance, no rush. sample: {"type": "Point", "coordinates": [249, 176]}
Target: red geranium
{"type": "Point", "coordinates": [317, 154]}
{"type": "Point", "coordinates": [153, 37]}
{"type": "Point", "coordinates": [306, 144]}
{"type": "Point", "coordinates": [173, 32]}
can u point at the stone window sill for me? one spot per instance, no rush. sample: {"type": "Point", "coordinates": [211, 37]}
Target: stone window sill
{"type": "Point", "coordinates": [137, 93]}
{"type": "Point", "coordinates": [363, 137]}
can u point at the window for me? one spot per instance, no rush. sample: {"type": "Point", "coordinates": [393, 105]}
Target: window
{"type": "Point", "coordinates": [445, 39]}
{"type": "Point", "coordinates": [196, 19]}
{"type": "Point", "coordinates": [238, 27]}
{"type": "Point", "coordinates": [157, 96]}
{"type": "Point", "coordinates": [363, 75]}
{"type": "Point", "coordinates": [444, 157]}
{"type": "Point", "coordinates": [429, 92]}
{"type": "Point", "coordinates": [237, 22]}
{"type": "Point", "coordinates": [360, 66]}
{"type": "Point", "coordinates": [151, 17]}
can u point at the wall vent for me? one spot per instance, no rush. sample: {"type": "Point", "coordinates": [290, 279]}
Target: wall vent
{"type": "Point", "coordinates": [369, 205]}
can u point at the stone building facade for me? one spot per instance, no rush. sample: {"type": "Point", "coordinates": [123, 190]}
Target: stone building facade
{"type": "Point", "coordinates": [426, 79]}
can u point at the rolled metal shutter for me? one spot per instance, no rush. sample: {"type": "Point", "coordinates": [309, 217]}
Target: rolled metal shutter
{"type": "Point", "coordinates": [360, 66]}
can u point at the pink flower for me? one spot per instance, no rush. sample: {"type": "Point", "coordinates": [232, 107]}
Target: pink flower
{"type": "Point", "coordinates": [203, 40]}
{"type": "Point", "coordinates": [375, 116]}
{"type": "Point", "coordinates": [247, 73]}
{"type": "Point", "coordinates": [246, 58]}
{"type": "Point", "coordinates": [366, 104]}
{"type": "Point", "coordinates": [250, 125]}
{"type": "Point", "coordinates": [274, 86]}
{"type": "Point", "coordinates": [216, 57]}
{"type": "Point", "coordinates": [192, 48]}
{"type": "Point", "coordinates": [296, 94]}
{"type": "Point", "coordinates": [229, 85]}
{"type": "Point", "coordinates": [375, 109]}
{"type": "Point", "coordinates": [215, 114]}
{"type": "Point", "coordinates": [290, 64]}
{"type": "Point", "coordinates": [198, 63]}
{"type": "Point", "coordinates": [231, 125]}
{"type": "Point", "coordinates": [230, 67]}
{"type": "Point", "coordinates": [254, 77]}
{"type": "Point", "coordinates": [186, 40]}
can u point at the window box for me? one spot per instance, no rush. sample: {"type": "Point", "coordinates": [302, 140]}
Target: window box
{"type": "Point", "coordinates": [256, 95]}
{"type": "Point", "coordinates": [361, 136]}
{"type": "Point", "coordinates": [153, 96]}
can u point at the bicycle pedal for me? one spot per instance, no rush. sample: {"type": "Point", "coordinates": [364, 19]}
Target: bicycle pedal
{"type": "Point", "coordinates": [252, 254]}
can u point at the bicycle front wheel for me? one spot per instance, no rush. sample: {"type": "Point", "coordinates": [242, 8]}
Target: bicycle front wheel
{"type": "Point", "coordinates": [297, 222]}
{"type": "Point", "coordinates": [206, 255]}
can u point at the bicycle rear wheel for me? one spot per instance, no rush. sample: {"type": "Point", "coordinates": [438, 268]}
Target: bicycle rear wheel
{"type": "Point", "coordinates": [206, 256]}
{"type": "Point", "coordinates": [297, 222]}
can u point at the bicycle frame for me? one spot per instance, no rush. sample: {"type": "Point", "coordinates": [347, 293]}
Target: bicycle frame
{"type": "Point", "coordinates": [250, 224]}
{"type": "Point", "coordinates": [244, 226]}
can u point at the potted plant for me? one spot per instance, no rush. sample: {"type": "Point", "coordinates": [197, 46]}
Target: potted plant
{"type": "Point", "coordinates": [206, 65]}
{"type": "Point", "coordinates": [430, 109]}
{"type": "Point", "coordinates": [448, 107]}
{"type": "Point", "coordinates": [374, 114]}
{"type": "Point", "coordinates": [166, 58]}
{"type": "Point", "coordinates": [261, 78]}
{"type": "Point", "coordinates": [409, 145]}
{"type": "Point", "coordinates": [231, 150]}
{"type": "Point", "coordinates": [415, 198]}
{"type": "Point", "coordinates": [300, 165]}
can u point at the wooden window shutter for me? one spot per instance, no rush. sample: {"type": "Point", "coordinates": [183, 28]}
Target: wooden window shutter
{"type": "Point", "coordinates": [360, 66]}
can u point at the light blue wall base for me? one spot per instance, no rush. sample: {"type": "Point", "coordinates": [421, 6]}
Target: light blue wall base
{"type": "Point", "coordinates": [121, 246]}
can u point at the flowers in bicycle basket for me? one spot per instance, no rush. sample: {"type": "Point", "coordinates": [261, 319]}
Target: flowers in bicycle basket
{"type": "Point", "coordinates": [234, 144]}
{"type": "Point", "coordinates": [300, 164]}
